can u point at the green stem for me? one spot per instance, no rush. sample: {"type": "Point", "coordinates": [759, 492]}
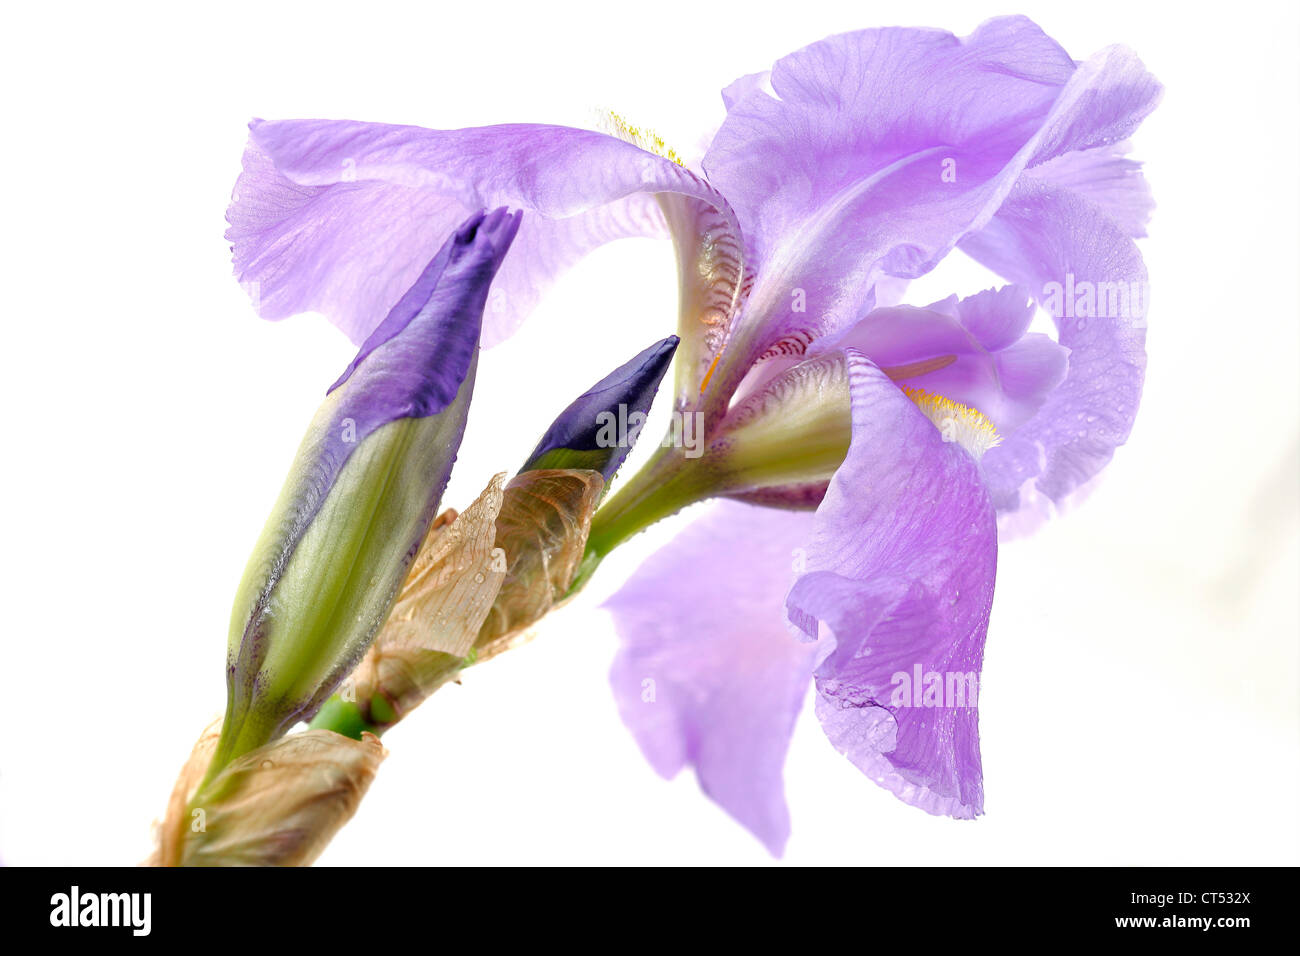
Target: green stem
{"type": "Point", "coordinates": [667, 483]}
{"type": "Point", "coordinates": [235, 741]}
{"type": "Point", "coordinates": [344, 717]}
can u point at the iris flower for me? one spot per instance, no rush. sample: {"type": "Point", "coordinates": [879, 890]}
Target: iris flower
{"type": "Point", "coordinates": [864, 450]}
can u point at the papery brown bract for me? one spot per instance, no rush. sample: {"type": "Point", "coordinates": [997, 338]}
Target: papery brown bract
{"type": "Point", "coordinates": [448, 593]}
{"type": "Point", "coordinates": [278, 805]}
{"type": "Point", "coordinates": [480, 581]}
{"type": "Point", "coordinates": [543, 525]}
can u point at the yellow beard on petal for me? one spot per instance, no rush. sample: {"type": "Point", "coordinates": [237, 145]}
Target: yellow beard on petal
{"type": "Point", "coordinates": [958, 423]}
{"type": "Point", "coordinates": [647, 139]}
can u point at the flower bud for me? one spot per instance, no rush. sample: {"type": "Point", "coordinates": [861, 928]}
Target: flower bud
{"type": "Point", "coordinates": [360, 496]}
{"type": "Point", "coordinates": [599, 427]}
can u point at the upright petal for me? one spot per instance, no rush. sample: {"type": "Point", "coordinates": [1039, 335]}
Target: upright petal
{"type": "Point", "coordinates": [708, 675]}
{"type": "Point", "coordinates": [901, 570]}
{"type": "Point", "coordinates": [1106, 177]}
{"type": "Point", "coordinates": [336, 216]}
{"type": "Point", "coordinates": [1082, 267]}
{"type": "Point", "coordinates": [878, 150]}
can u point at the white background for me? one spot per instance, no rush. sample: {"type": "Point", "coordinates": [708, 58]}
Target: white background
{"type": "Point", "coordinates": [1140, 699]}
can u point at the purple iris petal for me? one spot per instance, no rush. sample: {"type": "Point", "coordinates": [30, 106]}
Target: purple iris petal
{"type": "Point", "coordinates": [901, 570]}
{"type": "Point", "coordinates": [881, 148]}
{"type": "Point", "coordinates": [741, 87]}
{"type": "Point", "coordinates": [847, 108]}
{"type": "Point", "coordinates": [840, 177]}
{"type": "Point", "coordinates": [708, 675]}
{"type": "Point", "coordinates": [336, 216]}
{"type": "Point", "coordinates": [1104, 102]}
{"type": "Point", "coordinates": [1047, 238]}
{"type": "Point", "coordinates": [1104, 176]}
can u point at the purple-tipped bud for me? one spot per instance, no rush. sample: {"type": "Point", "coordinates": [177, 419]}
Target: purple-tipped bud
{"type": "Point", "coordinates": [361, 494]}
{"type": "Point", "coordinates": [598, 429]}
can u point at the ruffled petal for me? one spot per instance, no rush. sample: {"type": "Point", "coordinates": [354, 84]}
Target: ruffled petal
{"type": "Point", "coordinates": [1084, 269]}
{"type": "Point", "coordinates": [1108, 179]}
{"type": "Point", "coordinates": [336, 216]}
{"type": "Point", "coordinates": [741, 87]}
{"type": "Point", "coordinates": [708, 675]}
{"type": "Point", "coordinates": [879, 149]}
{"type": "Point", "coordinates": [847, 108]}
{"type": "Point", "coordinates": [1107, 98]}
{"type": "Point", "coordinates": [901, 572]}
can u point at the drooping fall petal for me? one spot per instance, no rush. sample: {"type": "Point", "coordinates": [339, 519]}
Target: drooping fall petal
{"type": "Point", "coordinates": [708, 675]}
{"type": "Point", "coordinates": [337, 216]}
{"type": "Point", "coordinates": [900, 571]}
